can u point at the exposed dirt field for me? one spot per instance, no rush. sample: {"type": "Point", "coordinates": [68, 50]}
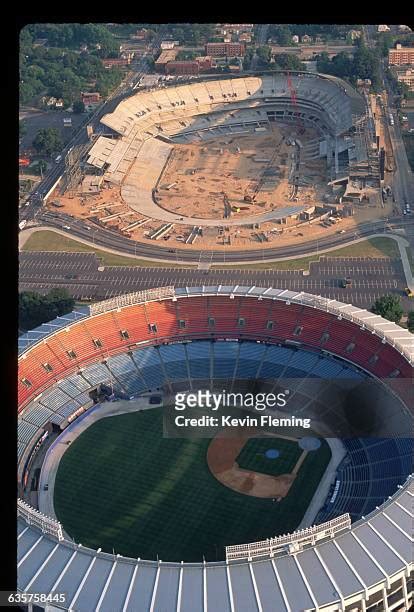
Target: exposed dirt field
{"type": "Point", "coordinates": [235, 173]}
{"type": "Point", "coordinates": [221, 460]}
{"type": "Point", "coordinates": [196, 177]}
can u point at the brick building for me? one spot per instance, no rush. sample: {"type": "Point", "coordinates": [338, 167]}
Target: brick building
{"type": "Point", "coordinates": [405, 76]}
{"type": "Point", "coordinates": [183, 67]}
{"type": "Point", "coordinates": [225, 49]}
{"type": "Point", "coordinates": [117, 61]}
{"type": "Point", "coordinates": [401, 55]}
{"type": "Point", "coordinates": [164, 58]}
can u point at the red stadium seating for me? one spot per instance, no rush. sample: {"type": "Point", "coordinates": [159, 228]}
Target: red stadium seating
{"type": "Point", "coordinates": [227, 313]}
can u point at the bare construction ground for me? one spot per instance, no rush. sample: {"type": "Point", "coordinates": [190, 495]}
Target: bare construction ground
{"type": "Point", "coordinates": [198, 182]}
{"type": "Point", "coordinates": [196, 177]}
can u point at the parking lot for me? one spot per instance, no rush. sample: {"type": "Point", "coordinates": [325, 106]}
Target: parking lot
{"type": "Point", "coordinates": [80, 274]}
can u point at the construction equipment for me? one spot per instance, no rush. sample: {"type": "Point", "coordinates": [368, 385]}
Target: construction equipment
{"type": "Point", "coordinates": [227, 206]}
{"type": "Point", "coordinates": [294, 100]}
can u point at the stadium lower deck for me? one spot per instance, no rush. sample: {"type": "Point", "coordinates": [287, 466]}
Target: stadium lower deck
{"type": "Point", "coordinates": [369, 563]}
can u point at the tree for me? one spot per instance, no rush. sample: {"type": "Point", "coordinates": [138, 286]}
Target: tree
{"type": "Point", "coordinates": [410, 321]}
{"type": "Point", "coordinates": [35, 309]}
{"type": "Point", "coordinates": [48, 141]}
{"type": "Point", "coordinates": [288, 61]}
{"type": "Point", "coordinates": [22, 128]}
{"type": "Point", "coordinates": [78, 107]}
{"type": "Point", "coordinates": [389, 307]}
{"type": "Point", "coordinates": [61, 299]}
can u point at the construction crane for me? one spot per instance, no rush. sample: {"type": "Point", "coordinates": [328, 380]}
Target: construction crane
{"type": "Point", "coordinates": [252, 197]}
{"type": "Point", "coordinates": [294, 100]}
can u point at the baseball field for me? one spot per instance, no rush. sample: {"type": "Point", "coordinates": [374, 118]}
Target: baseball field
{"type": "Point", "coordinates": [122, 487]}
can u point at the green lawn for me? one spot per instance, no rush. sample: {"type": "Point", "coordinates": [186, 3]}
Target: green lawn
{"type": "Point", "coordinates": [122, 486]}
{"type": "Point", "coordinates": [253, 456]}
{"type": "Point", "coordinates": [52, 241]}
{"type": "Point", "coordinates": [375, 247]}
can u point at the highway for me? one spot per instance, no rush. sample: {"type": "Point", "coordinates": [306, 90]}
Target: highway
{"type": "Point", "coordinates": [110, 239]}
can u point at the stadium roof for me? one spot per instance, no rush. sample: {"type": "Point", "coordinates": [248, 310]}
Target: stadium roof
{"type": "Point", "coordinates": [39, 333]}
{"type": "Point", "coordinates": [363, 560]}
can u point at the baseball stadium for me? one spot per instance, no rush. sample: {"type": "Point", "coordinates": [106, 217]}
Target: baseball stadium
{"type": "Point", "coordinates": [118, 511]}
{"type": "Point", "coordinates": [245, 162]}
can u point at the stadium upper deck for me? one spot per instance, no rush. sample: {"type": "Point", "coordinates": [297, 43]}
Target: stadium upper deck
{"type": "Point", "coordinates": [323, 101]}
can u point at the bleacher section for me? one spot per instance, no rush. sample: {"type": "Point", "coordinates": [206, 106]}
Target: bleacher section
{"type": "Point", "coordinates": [369, 474]}
{"type": "Point", "coordinates": [188, 112]}
{"type": "Point", "coordinates": [372, 469]}
{"type": "Point", "coordinates": [99, 337]}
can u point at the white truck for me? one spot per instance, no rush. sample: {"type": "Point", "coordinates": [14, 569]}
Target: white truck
{"type": "Point", "coordinates": [22, 224]}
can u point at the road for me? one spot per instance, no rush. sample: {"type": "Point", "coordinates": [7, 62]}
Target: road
{"type": "Point", "coordinates": [83, 276]}
{"type": "Point", "coordinates": [110, 239]}
{"type": "Point", "coordinates": [105, 238]}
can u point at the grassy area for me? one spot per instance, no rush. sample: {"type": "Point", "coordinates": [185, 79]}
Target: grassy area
{"type": "Point", "coordinates": [51, 241]}
{"type": "Point", "coordinates": [374, 247]}
{"type": "Point", "coordinates": [142, 494]}
{"type": "Point", "coordinates": [253, 456]}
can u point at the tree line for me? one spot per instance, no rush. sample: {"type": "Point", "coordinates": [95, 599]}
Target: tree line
{"type": "Point", "coordinates": [35, 309]}
{"type": "Point", "coordinates": [63, 73]}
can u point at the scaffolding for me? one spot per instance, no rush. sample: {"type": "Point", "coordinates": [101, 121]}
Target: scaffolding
{"type": "Point", "coordinates": [74, 174]}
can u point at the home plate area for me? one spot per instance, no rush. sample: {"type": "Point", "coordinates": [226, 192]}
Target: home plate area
{"type": "Point", "coordinates": [261, 464]}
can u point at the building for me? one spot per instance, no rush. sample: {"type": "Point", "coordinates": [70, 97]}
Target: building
{"type": "Point", "coordinates": [227, 38]}
{"type": "Point", "coordinates": [117, 61]}
{"type": "Point", "coordinates": [90, 97]}
{"type": "Point", "coordinates": [383, 28]}
{"type": "Point", "coordinates": [295, 39]}
{"type": "Point", "coordinates": [306, 39]}
{"type": "Point", "coordinates": [167, 44]}
{"type": "Point", "coordinates": [225, 49]}
{"type": "Point", "coordinates": [164, 58]}
{"type": "Point", "coordinates": [90, 100]}
{"type": "Point", "coordinates": [406, 76]}
{"type": "Point", "coordinates": [245, 37]}
{"type": "Point", "coordinates": [401, 55]}
{"type": "Point", "coordinates": [140, 34]}
{"type": "Point", "coordinates": [404, 28]}
{"type": "Point", "coordinates": [205, 62]}
{"type": "Point", "coordinates": [182, 67]}
{"type": "Point", "coordinates": [129, 55]}
{"type": "Point", "coordinates": [236, 28]}
{"type": "Point", "coordinates": [354, 34]}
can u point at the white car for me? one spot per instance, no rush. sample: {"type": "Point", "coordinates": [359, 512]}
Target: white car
{"type": "Point", "coordinates": [66, 227]}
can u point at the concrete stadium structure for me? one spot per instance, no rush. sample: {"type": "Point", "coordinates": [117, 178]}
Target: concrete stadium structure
{"type": "Point", "coordinates": [146, 125]}
{"type": "Point", "coordinates": [335, 566]}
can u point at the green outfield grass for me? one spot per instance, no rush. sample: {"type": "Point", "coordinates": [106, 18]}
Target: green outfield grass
{"type": "Point", "coordinates": [252, 456]}
{"type": "Point", "coordinates": [121, 486]}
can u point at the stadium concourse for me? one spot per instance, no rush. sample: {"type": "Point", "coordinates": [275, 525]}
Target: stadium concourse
{"type": "Point", "coordinates": [359, 558]}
